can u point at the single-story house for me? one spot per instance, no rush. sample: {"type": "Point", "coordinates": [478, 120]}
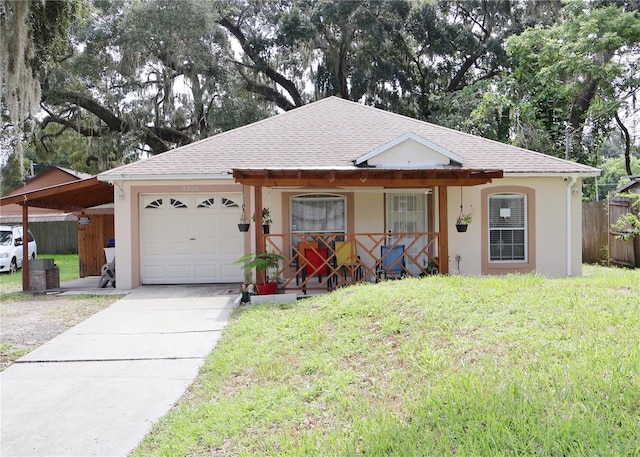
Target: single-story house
{"type": "Point", "coordinates": [336, 171]}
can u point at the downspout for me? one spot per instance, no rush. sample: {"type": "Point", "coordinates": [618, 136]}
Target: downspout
{"type": "Point", "coordinates": [570, 184]}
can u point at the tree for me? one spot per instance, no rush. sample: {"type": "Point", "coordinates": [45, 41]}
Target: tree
{"type": "Point", "coordinates": [33, 35]}
{"type": "Point", "coordinates": [146, 77]}
{"type": "Point", "coordinates": [569, 80]}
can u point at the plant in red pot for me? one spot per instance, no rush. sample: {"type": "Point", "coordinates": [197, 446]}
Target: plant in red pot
{"type": "Point", "coordinates": [267, 262]}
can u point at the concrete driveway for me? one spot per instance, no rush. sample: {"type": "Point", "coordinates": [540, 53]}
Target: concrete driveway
{"type": "Point", "coordinates": [96, 389]}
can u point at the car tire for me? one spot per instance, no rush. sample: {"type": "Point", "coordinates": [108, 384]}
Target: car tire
{"type": "Point", "coordinates": [13, 267]}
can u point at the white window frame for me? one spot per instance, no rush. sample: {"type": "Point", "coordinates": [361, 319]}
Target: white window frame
{"type": "Point", "coordinates": [317, 196]}
{"type": "Point", "coordinates": [524, 228]}
{"type": "Point", "coordinates": [399, 217]}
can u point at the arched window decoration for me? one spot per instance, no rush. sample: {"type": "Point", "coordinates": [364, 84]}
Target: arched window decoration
{"type": "Point", "coordinates": [318, 213]}
{"type": "Point", "coordinates": [154, 204]}
{"type": "Point", "coordinates": [208, 203]}
{"type": "Point", "coordinates": [177, 203]}
{"type": "Point", "coordinates": [228, 203]}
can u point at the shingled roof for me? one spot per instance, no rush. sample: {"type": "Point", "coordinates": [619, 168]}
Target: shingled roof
{"type": "Point", "coordinates": [331, 134]}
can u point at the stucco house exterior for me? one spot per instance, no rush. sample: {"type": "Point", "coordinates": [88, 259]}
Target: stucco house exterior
{"type": "Point", "coordinates": [338, 171]}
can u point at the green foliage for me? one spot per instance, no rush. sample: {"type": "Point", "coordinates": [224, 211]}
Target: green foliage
{"type": "Point", "coordinates": [570, 75]}
{"type": "Point", "coordinates": [614, 172]}
{"type": "Point", "coordinates": [147, 77]}
{"type": "Point", "coordinates": [144, 77]}
{"type": "Point", "coordinates": [266, 217]}
{"type": "Point", "coordinates": [515, 365]}
{"type": "Point", "coordinates": [628, 225]}
{"type": "Point", "coordinates": [263, 261]}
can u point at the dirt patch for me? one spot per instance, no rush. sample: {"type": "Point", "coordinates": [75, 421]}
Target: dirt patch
{"type": "Point", "coordinates": [30, 321]}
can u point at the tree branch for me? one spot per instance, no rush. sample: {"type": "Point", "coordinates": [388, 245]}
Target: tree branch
{"type": "Point", "coordinates": [262, 65]}
{"type": "Point", "coordinates": [154, 137]}
{"type": "Point", "coordinates": [627, 144]}
{"type": "Point", "coordinates": [267, 92]}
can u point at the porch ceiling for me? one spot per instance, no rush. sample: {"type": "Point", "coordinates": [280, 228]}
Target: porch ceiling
{"type": "Point", "coordinates": [72, 196]}
{"type": "Point", "coordinates": [367, 177]}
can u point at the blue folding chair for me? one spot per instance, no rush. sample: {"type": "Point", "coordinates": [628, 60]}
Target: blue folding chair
{"type": "Point", "coordinates": [391, 262]}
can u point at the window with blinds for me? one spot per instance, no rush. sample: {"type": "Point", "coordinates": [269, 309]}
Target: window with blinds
{"type": "Point", "coordinates": [318, 213]}
{"type": "Point", "coordinates": [507, 227]}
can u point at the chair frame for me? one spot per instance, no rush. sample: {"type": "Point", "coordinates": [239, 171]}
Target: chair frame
{"type": "Point", "coordinates": [391, 262]}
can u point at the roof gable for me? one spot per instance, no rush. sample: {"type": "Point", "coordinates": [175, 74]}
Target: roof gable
{"type": "Point", "coordinates": [409, 151]}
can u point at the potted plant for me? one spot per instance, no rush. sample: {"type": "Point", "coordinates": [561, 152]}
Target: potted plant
{"type": "Point", "coordinates": [247, 288]}
{"type": "Point", "coordinates": [243, 225]}
{"type": "Point", "coordinates": [266, 220]}
{"type": "Point", "coordinates": [265, 262]}
{"type": "Point", "coordinates": [463, 221]}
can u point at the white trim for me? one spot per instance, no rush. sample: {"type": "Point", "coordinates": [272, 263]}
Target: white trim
{"type": "Point", "coordinates": [555, 174]}
{"type": "Point", "coordinates": [110, 178]}
{"type": "Point", "coordinates": [569, 240]}
{"type": "Point", "coordinates": [525, 229]}
{"type": "Point", "coordinates": [406, 137]}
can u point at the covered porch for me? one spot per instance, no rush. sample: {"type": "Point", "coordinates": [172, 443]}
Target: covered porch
{"type": "Point", "coordinates": [323, 260]}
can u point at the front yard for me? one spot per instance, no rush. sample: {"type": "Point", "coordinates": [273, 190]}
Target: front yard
{"type": "Point", "coordinates": [517, 365]}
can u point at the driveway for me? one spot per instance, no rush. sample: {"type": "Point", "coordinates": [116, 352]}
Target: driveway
{"type": "Point", "coordinates": [96, 389]}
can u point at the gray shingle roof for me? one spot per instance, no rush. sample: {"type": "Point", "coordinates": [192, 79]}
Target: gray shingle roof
{"type": "Point", "coordinates": [331, 133]}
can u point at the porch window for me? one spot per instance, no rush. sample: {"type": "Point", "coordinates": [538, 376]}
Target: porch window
{"type": "Point", "coordinates": [406, 212]}
{"type": "Point", "coordinates": [318, 213]}
{"type": "Point", "coordinates": [508, 228]}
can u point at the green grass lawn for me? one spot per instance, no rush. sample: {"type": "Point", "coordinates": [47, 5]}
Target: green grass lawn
{"type": "Point", "coordinates": [67, 263]}
{"type": "Point", "coordinates": [517, 365]}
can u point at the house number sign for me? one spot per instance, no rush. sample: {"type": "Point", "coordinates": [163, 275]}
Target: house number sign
{"type": "Point", "coordinates": [189, 188]}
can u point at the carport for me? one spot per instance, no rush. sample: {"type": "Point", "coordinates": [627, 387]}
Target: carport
{"type": "Point", "coordinates": [74, 196]}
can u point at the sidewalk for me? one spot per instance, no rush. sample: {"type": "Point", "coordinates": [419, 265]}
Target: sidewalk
{"type": "Point", "coordinates": [96, 389]}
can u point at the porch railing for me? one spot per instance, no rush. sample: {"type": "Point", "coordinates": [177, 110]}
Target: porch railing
{"type": "Point", "coordinates": [418, 256]}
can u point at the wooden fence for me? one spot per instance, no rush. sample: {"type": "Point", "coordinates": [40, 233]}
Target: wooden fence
{"type": "Point", "coordinates": [599, 244]}
{"type": "Point", "coordinates": [56, 237]}
{"type": "Point", "coordinates": [595, 229]}
{"type": "Point", "coordinates": [625, 253]}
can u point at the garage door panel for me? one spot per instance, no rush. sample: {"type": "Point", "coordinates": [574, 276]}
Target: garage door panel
{"type": "Point", "coordinates": [229, 251]}
{"type": "Point", "coordinates": [154, 249]}
{"type": "Point", "coordinates": [207, 272]}
{"type": "Point", "coordinates": [180, 272]}
{"type": "Point", "coordinates": [204, 250]}
{"type": "Point", "coordinates": [190, 238]}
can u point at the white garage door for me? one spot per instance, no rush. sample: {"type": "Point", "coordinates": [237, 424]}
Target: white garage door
{"type": "Point", "coordinates": [190, 238]}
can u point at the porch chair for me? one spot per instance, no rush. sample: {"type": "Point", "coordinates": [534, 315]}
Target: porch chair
{"type": "Point", "coordinates": [391, 262]}
{"type": "Point", "coordinates": [315, 261]}
{"type": "Point", "coordinates": [347, 260]}
{"type": "Point", "coordinates": [300, 261]}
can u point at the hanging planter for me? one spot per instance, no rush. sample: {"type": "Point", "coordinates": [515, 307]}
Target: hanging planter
{"type": "Point", "coordinates": [243, 225]}
{"type": "Point", "coordinates": [463, 220]}
{"type": "Point", "coordinates": [266, 220]}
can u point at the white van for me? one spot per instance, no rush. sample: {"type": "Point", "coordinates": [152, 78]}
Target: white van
{"type": "Point", "coordinates": [11, 248]}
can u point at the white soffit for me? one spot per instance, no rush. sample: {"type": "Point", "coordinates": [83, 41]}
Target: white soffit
{"type": "Point", "coordinates": [410, 151]}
